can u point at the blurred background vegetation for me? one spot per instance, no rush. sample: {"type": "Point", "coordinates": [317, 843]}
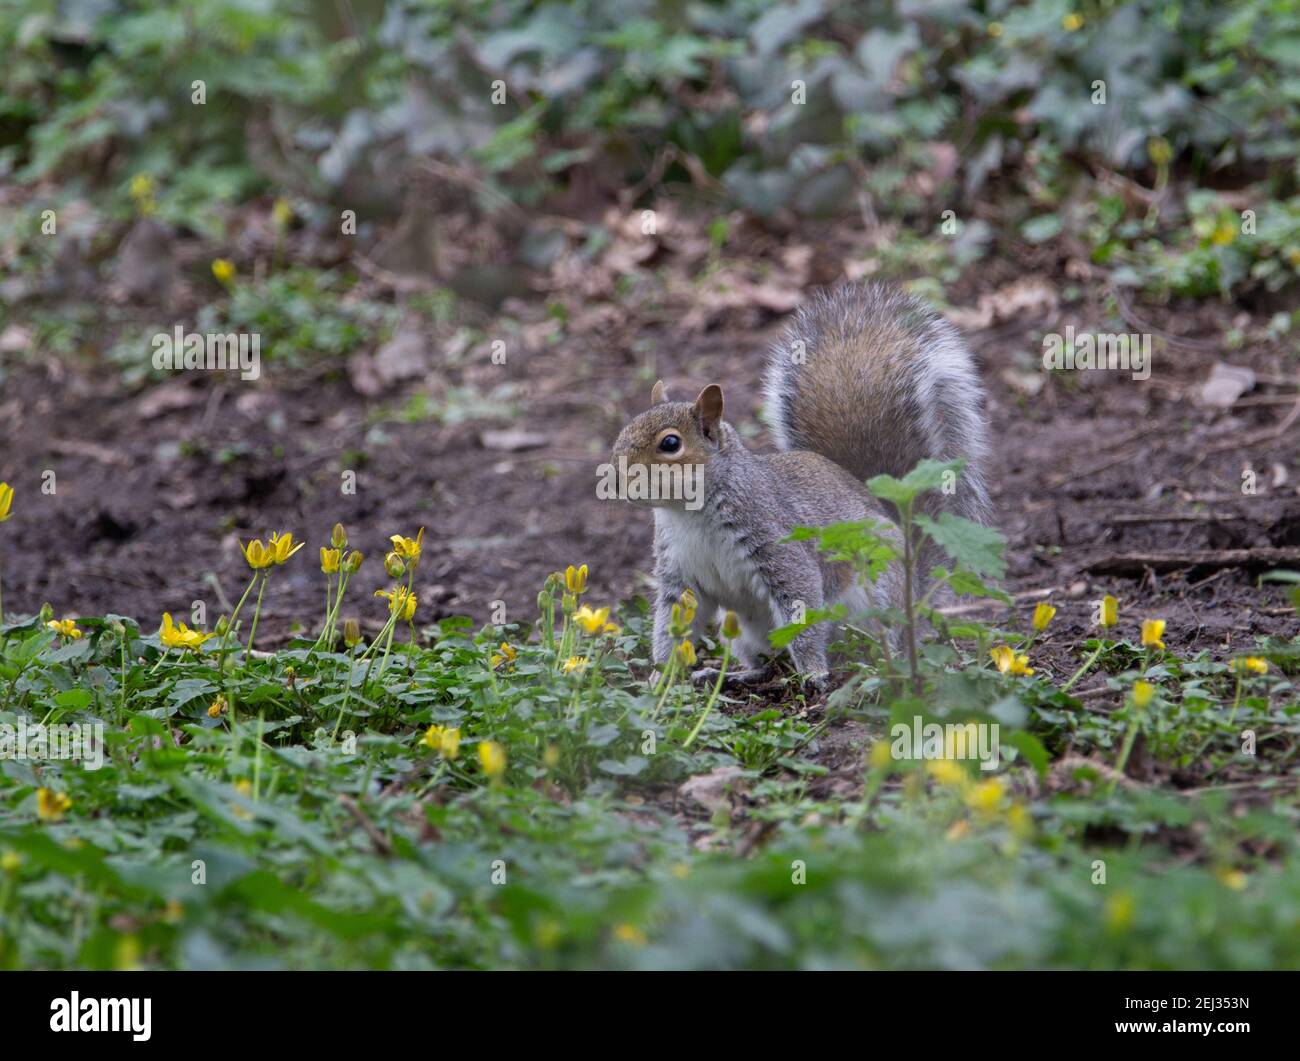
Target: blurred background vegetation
{"type": "Point", "coordinates": [991, 109]}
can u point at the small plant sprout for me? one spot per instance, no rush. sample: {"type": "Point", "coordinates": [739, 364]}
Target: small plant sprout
{"type": "Point", "coordinates": [1107, 617]}
{"type": "Point", "coordinates": [729, 631]}
{"type": "Point", "coordinates": [1142, 697]}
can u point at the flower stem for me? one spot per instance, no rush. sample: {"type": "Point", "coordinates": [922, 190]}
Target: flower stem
{"type": "Point", "coordinates": [1082, 670]}
{"type": "Point", "coordinates": [257, 614]}
{"type": "Point", "coordinates": [713, 696]}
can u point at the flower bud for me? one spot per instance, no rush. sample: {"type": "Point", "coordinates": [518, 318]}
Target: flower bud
{"type": "Point", "coordinates": [351, 632]}
{"type": "Point", "coordinates": [339, 537]}
{"type": "Point", "coordinates": [394, 565]}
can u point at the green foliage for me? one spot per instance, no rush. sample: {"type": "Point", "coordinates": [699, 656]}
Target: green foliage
{"type": "Point", "coordinates": [327, 834]}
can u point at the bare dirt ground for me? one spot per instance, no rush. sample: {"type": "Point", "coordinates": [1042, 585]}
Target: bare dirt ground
{"type": "Point", "coordinates": [156, 487]}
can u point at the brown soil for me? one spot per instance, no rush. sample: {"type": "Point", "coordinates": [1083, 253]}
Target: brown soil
{"type": "Point", "coordinates": [155, 488]}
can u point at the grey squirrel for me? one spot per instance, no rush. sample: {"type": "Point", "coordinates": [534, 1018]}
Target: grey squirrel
{"type": "Point", "coordinates": [866, 380]}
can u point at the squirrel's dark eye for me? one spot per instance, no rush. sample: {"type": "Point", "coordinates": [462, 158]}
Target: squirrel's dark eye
{"type": "Point", "coordinates": [670, 443]}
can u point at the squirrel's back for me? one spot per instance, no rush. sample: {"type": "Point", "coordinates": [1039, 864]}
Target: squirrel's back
{"type": "Point", "coordinates": [873, 379]}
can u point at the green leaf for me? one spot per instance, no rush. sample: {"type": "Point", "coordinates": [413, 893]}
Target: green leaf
{"type": "Point", "coordinates": [970, 544]}
{"type": "Point", "coordinates": [969, 585]}
{"type": "Point", "coordinates": [928, 475]}
{"type": "Point", "coordinates": [783, 635]}
{"type": "Point", "coordinates": [1031, 748]}
{"type": "Point", "coordinates": [75, 699]}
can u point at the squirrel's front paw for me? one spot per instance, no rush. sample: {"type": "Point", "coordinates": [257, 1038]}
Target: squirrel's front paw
{"type": "Point", "coordinates": [816, 683]}
{"type": "Point", "coordinates": [709, 675]}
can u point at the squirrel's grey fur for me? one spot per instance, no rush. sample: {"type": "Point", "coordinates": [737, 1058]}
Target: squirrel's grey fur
{"type": "Point", "coordinates": [866, 380]}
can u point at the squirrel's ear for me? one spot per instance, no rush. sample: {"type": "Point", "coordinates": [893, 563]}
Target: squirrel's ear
{"type": "Point", "coordinates": [659, 393]}
{"type": "Point", "coordinates": [709, 406]}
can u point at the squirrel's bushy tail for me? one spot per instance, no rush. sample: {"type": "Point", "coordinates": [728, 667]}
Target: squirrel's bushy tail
{"type": "Point", "coordinates": [873, 379]}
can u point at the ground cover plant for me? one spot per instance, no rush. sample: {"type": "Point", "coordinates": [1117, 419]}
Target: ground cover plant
{"type": "Point", "coordinates": [361, 660]}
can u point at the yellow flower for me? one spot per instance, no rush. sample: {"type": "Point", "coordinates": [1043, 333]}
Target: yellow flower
{"type": "Point", "coordinates": [330, 560]}
{"type": "Point", "coordinates": [178, 635]}
{"type": "Point", "coordinates": [548, 933]}
{"type": "Point", "coordinates": [217, 708]}
{"type": "Point", "coordinates": [1072, 22]}
{"type": "Point", "coordinates": [401, 601]}
{"type": "Point", "coordinates": [282, 546]}
{"type": "Point", "coordinates": [686, 654]}
{"type": "Point", "coordinates": [224, 270]}
{"type": "Point", "coordinates": [1233, 878]}
{"type": "Point", "coordinates": [142, 190]}
{"type": "Point", "coordinates": [1159, 151]}
{"type": "Point", "coordinates": [173, 912]}
{"type": "Point", "coordinates": [444, 739]}
{"type": "Point", "coordinates": [1251, 665]}
{"type": "Point", "coordinates": [1043, 614]}
{"type": "Point", "coordinates": [1009, 661]}
{"type": "Point", "coordinates": [10, 861]}
{"type": "Point", "coordinates": [257, 554]}
{"type": "Point", "coordinates": [66, 627]}
{"type": "Point", "coordinates": [142, 186]}
{"type": "Point", "coordinates": [408, 548]}
{"type": "Point", "coordinates": [945, 771]}
{"type": "Point", "coordinates": [881, 756]}
{"type": "Point", "coordinates": [551, 756]}
{"type": "Point", "coordinates": [1109, 610]}
{"type": "Point", "coordinates": [450, 745]}
{"type": "Point", "coordinates": [1225, 232]}
{"type": "Point", "coordinates": [51, 805]}
{"type": "Point", "coordinates": [575, 663]}
{"type": "Point", "coordinates": [282, 213]}
{"type": "Point", "coordinates": [626, 933]}
{"type": "Point", "coordinates": [1152, 631]}
{"type": "Point", "coordinates": [1020, 820]}
{"type": "Point", "coordinates": [506, 654]}
{"type": "Point", "coordinates": [1118, 911]}
{"type": "Point", "coordinates": [245, 788]}
{"type": "Point", "coordinates": [492, 757]}
{"type": "Point", "coordinates": [730, 626]}
{"type": "Point", "coordinates": [591, 621]}
{"type": "Point", "coordinates": [995, 29]}
{"type": "Point", "coordinates": [6, 499]}
{"type": "Point", "coordinates": [1143, 693]}
{"type": "Point", "coordinates": [986, 797]}
{"type": "Point", "coordinates": [575, 579]}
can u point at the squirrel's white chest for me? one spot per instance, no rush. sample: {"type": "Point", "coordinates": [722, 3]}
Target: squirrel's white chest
{"type": "Point", "coordinates": [710, 561]}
